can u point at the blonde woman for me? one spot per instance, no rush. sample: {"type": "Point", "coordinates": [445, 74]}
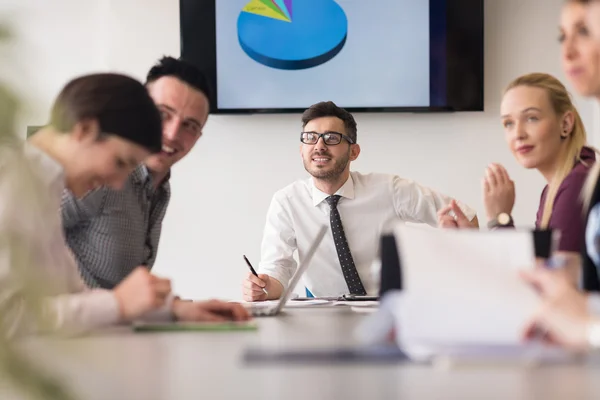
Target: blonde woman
{"type": "Point", "coordinates": [543, 131]}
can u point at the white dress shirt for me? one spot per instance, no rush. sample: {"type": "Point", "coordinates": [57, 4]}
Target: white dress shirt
{"type": "Point", "coordinates": [31, 186]}
{"type": "Point", "coordinates": [368, 203]}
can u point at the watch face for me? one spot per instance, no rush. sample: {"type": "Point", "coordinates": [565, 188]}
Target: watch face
{"type": "Point", "coordinates": [503, 219]}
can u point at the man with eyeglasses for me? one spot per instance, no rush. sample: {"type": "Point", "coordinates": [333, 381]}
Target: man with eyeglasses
{"type": "Point", "coordinates": [356, 206]}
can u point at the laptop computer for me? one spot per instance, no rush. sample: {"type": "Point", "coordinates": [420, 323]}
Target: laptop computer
{"type": "Point", "coordinates": [263, 309]}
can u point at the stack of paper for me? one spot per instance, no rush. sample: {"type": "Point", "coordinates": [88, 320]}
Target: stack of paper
{"type": "Point", "coordinates": [461, 287]}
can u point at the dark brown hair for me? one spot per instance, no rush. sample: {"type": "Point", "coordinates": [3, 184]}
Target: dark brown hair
{"type": "Point", "coordinates": [183, 70]}
{"type": "Point", "coordinates": [329, 109]}
{"type": "Point", "coordinates": [120, 104]}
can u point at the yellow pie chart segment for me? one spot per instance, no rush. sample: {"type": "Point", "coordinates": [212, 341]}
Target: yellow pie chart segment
{"type": "Point", "coordinates": [260, 8]}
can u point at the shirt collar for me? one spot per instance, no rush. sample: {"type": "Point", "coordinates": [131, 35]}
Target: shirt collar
{"type": "Point", "coordinates": [347, 191]}
{"type": "Point", "coordinates": [142, 175]}
{"type": "Point", "coordinates": [54, 173]}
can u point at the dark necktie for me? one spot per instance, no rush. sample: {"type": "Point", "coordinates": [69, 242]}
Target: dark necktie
{"type": "Point", "coordinates": [341, 246]}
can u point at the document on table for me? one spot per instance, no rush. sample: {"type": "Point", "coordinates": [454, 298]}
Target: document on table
{"type": "Point", "coordinates": [368, 303]}
{"type": "Point", "coordinates": [462, 286]}
{"type": "Point", "coordinates": [291, 303]}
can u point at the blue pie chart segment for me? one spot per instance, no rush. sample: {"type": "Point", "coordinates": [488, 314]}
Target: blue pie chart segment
{"type": "Point", "coordinates": [315, 33]}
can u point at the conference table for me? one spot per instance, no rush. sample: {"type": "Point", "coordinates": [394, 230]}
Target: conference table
{"type": "Point", "coordinates": [121, 364]}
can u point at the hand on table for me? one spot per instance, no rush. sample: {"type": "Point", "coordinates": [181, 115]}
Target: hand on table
{"type": "Point", "coordinates": [141, 292]}
{"type": "Point", "coordinates": [210, 311]}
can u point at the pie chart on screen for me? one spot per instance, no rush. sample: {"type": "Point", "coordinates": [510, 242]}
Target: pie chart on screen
{"type": "Point", "coordinates": [292, 34]}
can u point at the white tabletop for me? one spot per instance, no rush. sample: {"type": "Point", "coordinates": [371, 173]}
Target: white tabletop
{"type": "Point", "coordinates": [120, 364]}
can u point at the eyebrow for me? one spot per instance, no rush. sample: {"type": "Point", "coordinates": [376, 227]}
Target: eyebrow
{"type": "Point", "coordinates": [194, 121]}
{"type": "Point", "coordinates": [169, 108]}
{"type": "Point", "coordinates": [174, 111]}
{"type": "Point", "coordinates": [317, 133]}
{"type": "Point", "coordinates": [578, 22]}
{"type": "Point", "coordinates": [523, 112]}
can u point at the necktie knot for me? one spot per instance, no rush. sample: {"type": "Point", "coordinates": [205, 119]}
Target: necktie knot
{"type": "Point", "coordinates": [333, 200]}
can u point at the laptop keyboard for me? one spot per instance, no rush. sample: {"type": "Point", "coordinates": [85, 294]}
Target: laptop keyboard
{"type": "Point", "coordinates": [262, 312]}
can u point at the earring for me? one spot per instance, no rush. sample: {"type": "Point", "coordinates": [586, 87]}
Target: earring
{"type": "Point", "coordinates": [565, 134]}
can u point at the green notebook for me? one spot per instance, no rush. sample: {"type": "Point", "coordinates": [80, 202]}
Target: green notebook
{"type": "Point", "coordinates": [195, 326]}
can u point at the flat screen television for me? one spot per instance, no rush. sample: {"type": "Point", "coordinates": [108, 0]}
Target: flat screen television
{"type": "Point", "coordinates": [269, 56]}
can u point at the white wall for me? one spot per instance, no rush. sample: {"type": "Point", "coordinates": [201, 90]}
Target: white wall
{"type": "Point", "coordinates": [221, 191]}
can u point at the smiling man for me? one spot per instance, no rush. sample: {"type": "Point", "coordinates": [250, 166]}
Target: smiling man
{"type": "Point", "coordinates": [356, 207]}
{"type": "Point", "coordinates": [112, 232]}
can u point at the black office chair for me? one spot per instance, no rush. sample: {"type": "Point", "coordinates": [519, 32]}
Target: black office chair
{"type": "Point", "coordinates": [544, 243]}
{"type": "Point", "coordinates": [391, 270]}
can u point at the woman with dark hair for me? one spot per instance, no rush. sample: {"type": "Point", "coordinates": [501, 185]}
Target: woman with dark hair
{"type": "Point", "coordinates": [101, 127]}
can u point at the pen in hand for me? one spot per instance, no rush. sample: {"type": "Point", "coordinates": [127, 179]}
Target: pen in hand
{"type": "Point", "coordinates": [254, 273]}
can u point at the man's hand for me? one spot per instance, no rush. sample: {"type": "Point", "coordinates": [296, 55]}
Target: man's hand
{"type": "Point", "coordinates": [253, 287]}
{"type": "Point", "coordinates": [211, 311]}
{"type": "Point", "coordinates": [458, 220]}
{"type": "Point", "coordinates": [498, 191]}
{"type": "Point", "coordinates": [141, 292]}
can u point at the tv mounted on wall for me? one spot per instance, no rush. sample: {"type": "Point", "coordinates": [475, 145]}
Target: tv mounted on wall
{"type": "Point", "coordinates": [269, 56]}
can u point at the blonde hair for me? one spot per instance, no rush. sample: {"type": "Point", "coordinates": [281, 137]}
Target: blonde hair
{"type": "Point", "coordinates": [576, 139]}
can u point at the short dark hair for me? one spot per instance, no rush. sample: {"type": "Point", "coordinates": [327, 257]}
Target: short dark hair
{"type": "Point", "coordinates": [182, 70]}
{"type": "Point", "coordinates": [330, 109]}
{"type": "Point", "coordinates": [120, 104]}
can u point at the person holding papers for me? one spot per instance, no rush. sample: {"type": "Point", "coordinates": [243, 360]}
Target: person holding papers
{"type": "Point", "coordinates": [101, 127]}
{"type": "Point", "coordinates": [568, 317]}
{"type": "Point", "coordinates": [580, 26]}
{"type": "Point", "coordinates": [545, 132]}
{"type": "Point", "coordinates": [356, 207]}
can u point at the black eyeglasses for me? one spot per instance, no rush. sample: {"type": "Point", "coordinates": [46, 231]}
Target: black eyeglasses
{"type": "Point", "coordinates": [329, 138]}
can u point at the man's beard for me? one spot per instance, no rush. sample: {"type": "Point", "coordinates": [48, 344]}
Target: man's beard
{"type": "Point", "coordinates": [331, 174]}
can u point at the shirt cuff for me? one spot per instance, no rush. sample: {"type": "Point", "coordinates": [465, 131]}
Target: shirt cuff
{"type": "Point", "coordinates": [81, 312]}
{"type": "Point", "coordinates": [276, 273]}
{"type": "Point", "coordinates": [163, 314]}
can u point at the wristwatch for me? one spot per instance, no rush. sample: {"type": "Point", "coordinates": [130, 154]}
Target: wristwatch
{"type": "Point", "coordinates": [503, 220]}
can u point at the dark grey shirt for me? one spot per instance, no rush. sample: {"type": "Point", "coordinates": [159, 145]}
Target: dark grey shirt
{"type": "Point", "coordinates": [111, 232]}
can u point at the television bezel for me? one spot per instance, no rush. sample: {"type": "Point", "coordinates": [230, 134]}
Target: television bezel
{"type": "Point", "coordinates": [464, 24]}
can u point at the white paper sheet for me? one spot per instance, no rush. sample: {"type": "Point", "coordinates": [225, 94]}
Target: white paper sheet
{"type": "Point", "coordinates": [462, 287]}
{"type": "Point", "coordinates": [292, 303]}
